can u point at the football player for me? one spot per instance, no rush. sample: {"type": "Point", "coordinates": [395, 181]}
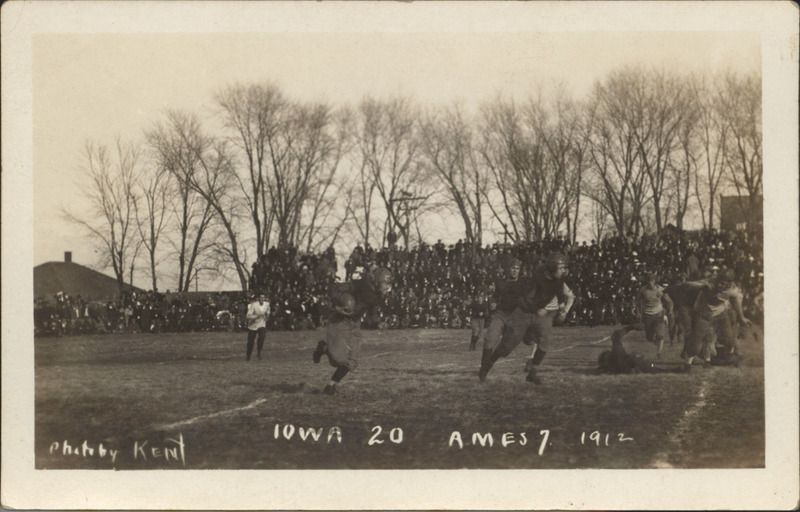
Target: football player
{"type": "Point", "coordinates": [710, 317]}
{"type": "Point", "coordinates": [531, 321]}
{"type": "Point", "coordinates": [617, 360]}
{"type": "Point", "coordinates": [683, 296]}
{"type": "Point", "coordinates": [506, 295]}
{"type": "Point", "coordinates": [349, 302]}
{"type": "Point", "coordinates": [651, 306]}
{"type": "Point", "coordinates": [478, 311]}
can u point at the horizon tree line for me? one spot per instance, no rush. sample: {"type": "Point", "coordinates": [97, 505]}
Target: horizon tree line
{"type": "Point", "coordinates": [644, 149]}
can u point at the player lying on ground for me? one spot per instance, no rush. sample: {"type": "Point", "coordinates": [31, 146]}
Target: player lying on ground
{"type": "Point", "coordinates": [531, 321]}
{"type": "Point", "coordinates": [349, 302]}
{"type": "Point", "coordinates": [617, 360]}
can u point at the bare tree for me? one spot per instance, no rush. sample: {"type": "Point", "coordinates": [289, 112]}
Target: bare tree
{"type": "Point", "coordinates": [448, 148]}
{"type": "Point", "coordinates": [544, 166]}
{"type": "Point", "coordinates": [565, 132]}
{"type": "Point", "coordinates": [110, 188]}
{"type": "Point", "coordinates": [661, 104]}
{"type": "Point", "coordinates": [321, 143]}
{"type": "Point", "coordinates": [291, 153]}
{"type": "Point", "coordinates": [684, 168]}
{"type": "Point", "coordinates": [360, 208]}
{"type": "Point", "coordinates": [190, 214]}
{"type": "Point", "coordinates": [137, 245]}
{"type": "Point", "coordinates": [598, 220]}
{"type": "Point", "coordinates": [257, 116]}
{"type": "Point", "coordinates": [155, 196]}
{"type": "Point", "coordinates": [194, 217]}
{"type": "Point", "coordinates": [513, 160]}
{"type": "Point", "coordinates": [740, 111]}
{"type": "Point", "coordinates": [713, 135]}
{"type": "Point", "coordinates": [207, 168]}
{"type": "Point", "coordinates": [617, 175]}
{"type": "Point", "coordinates": [531, 153]}
{"type": "Point", "coordinates": [387, 141]}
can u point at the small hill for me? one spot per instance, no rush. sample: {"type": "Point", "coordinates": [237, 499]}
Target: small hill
{"type": "Point", "coordinates": [74, 279]}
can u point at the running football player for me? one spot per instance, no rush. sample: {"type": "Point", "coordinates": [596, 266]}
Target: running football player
{"type": "Point", "coordinates": [350, 301]}
{"type": "Point", "coordinates": [507, 294]}
{"type": "Point", "coordinates": [531, 321]}
{"type": "Point", "coordinates": [478, 311]}
{"type": "Point", "coordinates": [652, 304]}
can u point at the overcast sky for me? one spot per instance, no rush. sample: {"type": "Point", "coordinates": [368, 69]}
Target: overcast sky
{"type": "Point", "coordinates": [94, 86]}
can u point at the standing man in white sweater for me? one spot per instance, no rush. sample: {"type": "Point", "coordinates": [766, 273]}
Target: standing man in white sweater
{"type": "Point", "coordinates": [257, 313]}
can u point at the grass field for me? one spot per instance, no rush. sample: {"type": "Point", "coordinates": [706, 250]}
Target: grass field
{"type": "Point", "coordinates": [191, 400]}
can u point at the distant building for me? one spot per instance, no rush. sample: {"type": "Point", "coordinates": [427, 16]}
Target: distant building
{"type": "Point", "coordinates": [73, 279]}
{"type": "Point", "coordinates": [736, 214]}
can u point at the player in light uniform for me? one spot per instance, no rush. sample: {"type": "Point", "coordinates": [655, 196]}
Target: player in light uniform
{"type": "Point", "coordinates": [507, 295]}
{"type": "Point", "coordinates": [257, 313]}
{"type": "Point", "coordinates": [652, 304]}
{"type": "Point", "coordinates": [531, 321]}
{"type": "Point", "coordinates": [710, 317]}
{"type": "Point", "coordinates": [350, 301]}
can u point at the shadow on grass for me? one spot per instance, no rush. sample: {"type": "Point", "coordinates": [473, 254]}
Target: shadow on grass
{"type": "Point", "coordinates": [655, 370]}
{"type": "Point", "coordinates": [581, 371]}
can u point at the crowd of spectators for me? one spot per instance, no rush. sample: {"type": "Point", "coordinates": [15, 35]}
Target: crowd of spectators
{"type": "Point", "coordinates": [434, 285]}
{"type": "Point", "coordinates": [139, 312]}
{"type": "Point", "coordinates": [295, 284]}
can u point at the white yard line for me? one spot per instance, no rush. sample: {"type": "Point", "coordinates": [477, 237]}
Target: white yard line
{"type": "Point", "coordinates": [450, 345]}
{"type": "Point", "coordinates": [172, 426]}
{"type": "Point", "coordinates": [379, 354]}
{"type": "Point", "coordinates": [578, 344]}
{"type": "Point", "coordinates": [509, 359]}
{"type": "Point", "coordinates": [685, 425]}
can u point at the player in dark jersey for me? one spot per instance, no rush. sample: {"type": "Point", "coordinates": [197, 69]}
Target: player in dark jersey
{"type": "Point", "coordinates": [506, 295]}
{"type": "Point", "coordinates": [478, 313]}
{"type": "Point", "coordinates": [531, 321]}
{"type": "Point", "coordinates": [350, 301]}
{"type": "Point", "coordinates": [617, 360]}
{"type": "Point", "coordinates": [718, 302]}
{"type": "Point", "coordinates": [683, 296]}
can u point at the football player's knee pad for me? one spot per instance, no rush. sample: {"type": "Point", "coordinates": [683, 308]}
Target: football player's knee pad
{"type": "Point", "coordinates": [352, 364]}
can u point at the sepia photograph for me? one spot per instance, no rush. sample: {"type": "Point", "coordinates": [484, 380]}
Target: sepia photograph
{"type": "Point", "coordinates": [478, 255]}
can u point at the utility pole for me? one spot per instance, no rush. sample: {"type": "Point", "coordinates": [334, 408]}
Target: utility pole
{"type": "Point", "coordinates": [406, 207]}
